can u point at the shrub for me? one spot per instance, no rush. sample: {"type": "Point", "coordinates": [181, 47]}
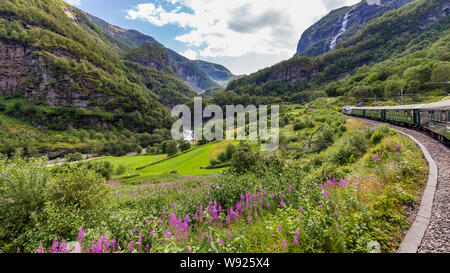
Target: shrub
{"type": "Point", "coordinates": [79, 187]}
{"type": "Point", "coordinates": [73, 157]}
{"type": "Point", "coordinates": [170, 148]}
{"type": "Point", "coordinates": [121, 169]}
{"type": "Point", "coordinates": [23, 193]}
{"type": "Point", "coordinates": [230, 150]}
{"type": "Point", "coordinates": [151, 150]}
{"type": "Point", "coordinates": [222, 157]}
{"type": "Point", "coordinates": [184, 145]}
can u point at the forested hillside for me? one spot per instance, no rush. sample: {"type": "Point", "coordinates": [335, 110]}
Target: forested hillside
{"type": "Point", "coordinates": [340, 25]}
{"type": "Point", "coordinates": [415, 37]}
{"type": "Point", "coordinates": [70, 71]}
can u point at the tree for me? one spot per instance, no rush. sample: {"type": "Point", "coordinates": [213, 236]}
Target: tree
{"type": "Point", "coordinates": [170, 148]}
{"type": "Point", "coordinates": [441, 73]}
{"type": "Point", "coordinates": [393, 87]}
{"type": "Point", "coordinates": [362, 92]}
{"type": "Point", "coordinates": [185, 145]}
{"type": "Point", "coordinates": [414, 87]}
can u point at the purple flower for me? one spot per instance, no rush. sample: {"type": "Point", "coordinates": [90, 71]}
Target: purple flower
{"type": "Point", "coordinates": [40, 249]}
{"type": "Point", "coordinates": [279, 228]}
{"type": "Point", "coordinates": [335, 213]}
{"type": "Point", "coordinates": [284, 244]}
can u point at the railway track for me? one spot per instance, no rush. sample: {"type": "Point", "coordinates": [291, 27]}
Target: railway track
{"type": "Point", "coordinates": [437, 235]}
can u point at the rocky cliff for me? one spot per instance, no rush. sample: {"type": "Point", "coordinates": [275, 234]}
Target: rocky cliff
{"type": "Point", "coordinates": [25, 72]}
{"type": "Point", "coordinates": [341, 24]}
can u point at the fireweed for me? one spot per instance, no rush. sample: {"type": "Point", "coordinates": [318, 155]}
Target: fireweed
{"type": "Point", "coordinates": [280, 212]}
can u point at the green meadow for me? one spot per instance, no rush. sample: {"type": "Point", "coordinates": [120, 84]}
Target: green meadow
{"type": "Point", "coordinates": [188, 164]}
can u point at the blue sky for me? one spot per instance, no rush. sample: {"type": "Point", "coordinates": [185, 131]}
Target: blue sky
{"type": "Point", "coordinates": [243, 35]}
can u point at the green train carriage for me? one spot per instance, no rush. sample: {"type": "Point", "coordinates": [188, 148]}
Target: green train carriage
{"type": "Point", "coordinates": [433, 117]}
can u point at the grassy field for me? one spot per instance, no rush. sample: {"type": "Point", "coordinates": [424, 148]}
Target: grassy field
{"type": "Point", "coordinates": [132, 162]}
{"type": "Point", "coordinates": [189, 163]}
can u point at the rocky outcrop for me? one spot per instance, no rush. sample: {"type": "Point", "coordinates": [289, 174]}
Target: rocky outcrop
{"type": "Point", "coordinates": [24, 71]}
{"type": "Point", "coordinates": [319, 38]}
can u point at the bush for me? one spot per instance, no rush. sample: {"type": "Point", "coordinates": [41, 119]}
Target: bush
{"type": "Point", "coordinates": [185, 145]}
{"type": "Point", "coordinates": [77, 187]}
{"type": "Point", "coordinates": [121, 169]}
{"type": "Point", "coordinates": [377, 134]}
{"type": "Point", "coordinates": [169, 147]}
{"type": "Point", "coordinates": [77, 197]}
{"type": "Point", "coordinates": [73, 157]}
{"type": "Point", "coordinates": [151, 150]}
{"type": "Point", "coordinates": [230, 150]}
{"type": "Point", "coordinates": [23, 193]}
{"type": "Point", "coordinates": [222, 157]}
{"type": "Point", "coordinates": [103, 168]}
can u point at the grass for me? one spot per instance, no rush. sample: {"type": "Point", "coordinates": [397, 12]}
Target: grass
{"type": "Point", "coordinates": [131, 162]}
{"type": "Point", "coordinates": [189, 163]}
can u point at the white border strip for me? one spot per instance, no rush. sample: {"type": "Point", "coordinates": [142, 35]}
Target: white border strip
{"type": "Point", "coordinates": [414, 237]}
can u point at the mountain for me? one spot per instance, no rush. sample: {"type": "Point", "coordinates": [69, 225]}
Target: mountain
{"type": "Point", "coordinates": [146, 51]}
{"type": "Point", "coordinates": [130, 38]}
{"type": "Point", "coordinates": [341, 24]}
{"type": "Point", "coordinates": [158, 57]}
{"type": "Point", "coordinates": [404, 47]}
{"type": "Point", "coordinates": [56, 66]}
{"type": "Point", "coordinates": [217, 72]}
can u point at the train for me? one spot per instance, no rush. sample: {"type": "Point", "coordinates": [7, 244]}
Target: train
{"type": "Point", "coordinates": [433, 118]}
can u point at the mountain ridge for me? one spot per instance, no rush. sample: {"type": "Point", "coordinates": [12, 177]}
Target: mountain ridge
{"type": "Point", "coordinates": [195, 76]}
{"type": "Point", "coordinates": [317, 39]}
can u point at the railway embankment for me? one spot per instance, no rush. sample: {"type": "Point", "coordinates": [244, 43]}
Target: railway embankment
{"type": "Point", "coordinates": [430, 232]}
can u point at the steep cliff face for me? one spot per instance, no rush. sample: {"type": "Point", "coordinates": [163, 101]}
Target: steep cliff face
{"type": "Point", "coordinates": [25, 72]}
{"type": "Point", "coordinates": [340, 25]}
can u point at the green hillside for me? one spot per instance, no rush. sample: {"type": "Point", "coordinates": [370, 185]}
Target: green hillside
{"type": "Point", "coordinates": [69, 63]}
{"type": "Point", "coordinates": [416, 30]}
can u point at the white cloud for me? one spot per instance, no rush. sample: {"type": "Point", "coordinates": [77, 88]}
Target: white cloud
{"type": "Point", "coordinates": [73, 2]}
{"type": "Point", "coordinates": [190, 54]}
{"type": "Point", "coordinates": [233, 28]}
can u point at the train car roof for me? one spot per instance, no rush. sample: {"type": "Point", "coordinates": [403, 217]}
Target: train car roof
{"type": "Point", "coordinates": [436, 105]}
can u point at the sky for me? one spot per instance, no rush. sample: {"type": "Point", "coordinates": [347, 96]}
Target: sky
{"type": "Point", "coordinates": [243, 35]}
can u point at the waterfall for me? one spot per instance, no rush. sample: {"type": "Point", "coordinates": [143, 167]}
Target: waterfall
{"type": "Point", "coordinates": [343, 29]}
